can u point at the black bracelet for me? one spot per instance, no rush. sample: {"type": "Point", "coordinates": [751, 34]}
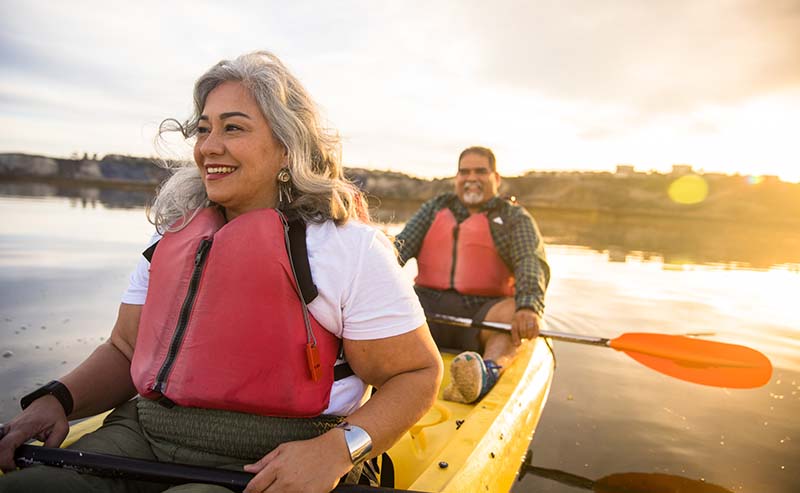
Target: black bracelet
{"type": "Point", "coordinates": [54, 388]}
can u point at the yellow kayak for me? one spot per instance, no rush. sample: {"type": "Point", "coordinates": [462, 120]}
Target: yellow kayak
{"type": "Point", "coordinates": [478, 447]}
{"type": "Point", "coordinates": [465, 447]}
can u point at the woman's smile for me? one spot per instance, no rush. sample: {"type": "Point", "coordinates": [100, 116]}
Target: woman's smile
{"type": "Point", "coordinates": [218, 171]}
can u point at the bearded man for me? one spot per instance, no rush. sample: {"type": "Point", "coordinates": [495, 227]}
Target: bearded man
{"type": "Point", "coordinates": [480, 257]}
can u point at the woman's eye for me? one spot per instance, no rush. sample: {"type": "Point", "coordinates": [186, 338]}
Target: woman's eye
{"type": "Point", "coordinates": [202, 130]}
{"type": "Point", "coordinates": [232, 128]}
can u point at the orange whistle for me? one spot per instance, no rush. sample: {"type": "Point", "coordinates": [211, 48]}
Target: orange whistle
{"type": "Point", "coordinates": [314, 366]}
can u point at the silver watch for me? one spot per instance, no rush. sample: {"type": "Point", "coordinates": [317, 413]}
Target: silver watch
{"type": "Point", "coordinates": [358, 442]}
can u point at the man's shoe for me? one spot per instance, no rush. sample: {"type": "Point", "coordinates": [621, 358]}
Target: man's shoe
{"type": "Point", "coordinates": [470, 378]}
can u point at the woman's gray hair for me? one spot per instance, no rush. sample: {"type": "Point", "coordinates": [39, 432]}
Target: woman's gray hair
{"type": "Point", "coordinates": [320, 190]}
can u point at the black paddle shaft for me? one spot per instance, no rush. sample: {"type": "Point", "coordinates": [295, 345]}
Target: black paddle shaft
{"type": "Point", "coordinates": [145, 470]}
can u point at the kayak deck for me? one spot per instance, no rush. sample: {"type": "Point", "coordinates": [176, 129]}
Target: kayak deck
{"type": "Point", "coordinates": [463, 447]}
{"type": "Point", "coordinates": [477, 447]}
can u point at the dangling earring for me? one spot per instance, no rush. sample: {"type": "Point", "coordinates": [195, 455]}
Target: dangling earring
{"type": "Point", "coordinates": [284, 188]}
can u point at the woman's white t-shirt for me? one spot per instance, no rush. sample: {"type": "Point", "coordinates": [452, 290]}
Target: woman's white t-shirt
{"type": "Point", "coordinates": [363, 293]}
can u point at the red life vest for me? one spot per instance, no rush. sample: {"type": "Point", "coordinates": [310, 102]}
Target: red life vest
{"type": "Point", "coordinates": [223, 326]}
{"type": "Point", "coordinates": [463, 257]}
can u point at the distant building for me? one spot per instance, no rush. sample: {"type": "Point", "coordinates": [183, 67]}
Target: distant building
{"type": "Point", "coordinates": [681, 169]}
{"type": "Point", "coordinates": [625, 170]}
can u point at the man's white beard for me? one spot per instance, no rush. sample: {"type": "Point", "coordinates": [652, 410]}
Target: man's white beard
{"type": "Point", "coordinates": [473, 193]}
{"type": "Point", "coordinates": [473, 198]}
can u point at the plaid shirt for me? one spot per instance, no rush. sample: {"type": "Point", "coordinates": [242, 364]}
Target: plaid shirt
{"type": "Point", "coordinates": [517, 239]}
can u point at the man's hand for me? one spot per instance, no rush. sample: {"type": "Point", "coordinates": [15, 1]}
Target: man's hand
{"type": "Point", "coordinates": [525, 325]}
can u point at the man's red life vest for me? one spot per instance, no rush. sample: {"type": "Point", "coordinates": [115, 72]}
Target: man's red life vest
{"type": "Point", "coordinates": [223, 327]}
{"type": "Point", "coordinates": [463, 257]}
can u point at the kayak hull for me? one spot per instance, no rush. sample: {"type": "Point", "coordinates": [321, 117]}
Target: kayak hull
{"type": "Point", "coordinates": [463, 448]}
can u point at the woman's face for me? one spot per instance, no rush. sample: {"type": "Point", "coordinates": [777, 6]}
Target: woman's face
{"type": "Point", "coordinates": [237, 154]}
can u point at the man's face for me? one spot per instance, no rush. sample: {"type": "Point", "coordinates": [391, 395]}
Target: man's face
{"type": "Point", "coordinates": [476, 183]}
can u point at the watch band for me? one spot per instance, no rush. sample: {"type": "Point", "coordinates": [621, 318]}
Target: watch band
{"type": "Point", "coordinates": [359, 443]}
{"type": "Point", "coordinates": [54, 388]}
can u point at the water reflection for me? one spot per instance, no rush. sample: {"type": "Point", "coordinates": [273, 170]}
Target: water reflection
{"type": "Point", "coordinates": [676, 242]}
{"type": "Point", "coordinates": [672, 242]}
{"type": "Point", "coordinates": [628, 482]}
{"type": "Point", "coordinates": [110, 197]}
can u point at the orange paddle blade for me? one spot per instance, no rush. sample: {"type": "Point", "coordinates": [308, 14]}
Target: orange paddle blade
{"type": "Point", "coordinates": [695, 360]}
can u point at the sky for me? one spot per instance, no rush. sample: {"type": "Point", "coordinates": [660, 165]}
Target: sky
{"type": "Point", "coordinates": [548, 85]}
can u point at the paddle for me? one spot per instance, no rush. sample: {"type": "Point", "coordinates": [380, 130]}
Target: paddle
{"type": "Point", "coordinates": [114, 466]}
{"type": "Point", "coordinates": [695, 360]}
{"type": "Point", "coordinates": [629, 482]}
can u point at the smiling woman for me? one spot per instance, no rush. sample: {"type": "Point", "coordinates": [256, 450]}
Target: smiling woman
{"type": "Point", "coordinates": [258, 118]}
{"type": "Point", "coordinates": [267, 302]}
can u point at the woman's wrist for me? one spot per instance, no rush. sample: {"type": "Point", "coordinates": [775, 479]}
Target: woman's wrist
{"type": "Point", "coordinates": [340, 454]}
{"type": "Point", "coordinates": [54, 388]}
{"type": "Point", "coordinates": [358, 441]}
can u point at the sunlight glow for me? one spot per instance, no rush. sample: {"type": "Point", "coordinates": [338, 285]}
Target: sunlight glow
{"type": "Point", "coordinates": [689, 189]}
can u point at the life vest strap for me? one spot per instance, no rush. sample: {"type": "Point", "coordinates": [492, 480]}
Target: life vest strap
{"type": "Point", "coordinates": [342, 371]}
{"type": "Point", "coordinates": [297, 243]}
{"type": "Point", "coordinates": [151, 250]}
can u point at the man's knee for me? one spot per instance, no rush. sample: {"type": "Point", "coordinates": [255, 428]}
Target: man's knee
{"type": "Point", "coordinates": [502, 311]}
{"type": "Point", "coordinates": [453, 338]}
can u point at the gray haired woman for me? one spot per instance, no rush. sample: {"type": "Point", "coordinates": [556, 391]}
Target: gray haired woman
{"type": "Point", "coordinates": [264, 310]}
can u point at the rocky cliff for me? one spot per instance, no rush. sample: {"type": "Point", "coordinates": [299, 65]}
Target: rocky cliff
{"type": "Point", "coordinates": [111, 169]}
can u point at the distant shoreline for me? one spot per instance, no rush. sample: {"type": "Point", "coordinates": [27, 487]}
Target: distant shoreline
{"type": "Point", "coordinates": [730, 198]}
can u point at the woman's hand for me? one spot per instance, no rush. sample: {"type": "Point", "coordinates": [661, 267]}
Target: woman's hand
{"type": "Point", "coordinates": [406, 369]}
{"type": "Point", "coordinates": [44, 420]}
{"type": "Point", "coordinates": [286, 469]}
{"type": "Point", "coordinates": [99, 383]}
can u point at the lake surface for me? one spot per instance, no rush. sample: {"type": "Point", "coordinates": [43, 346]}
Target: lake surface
{"type": "Point", "coordinates": [65, 261]}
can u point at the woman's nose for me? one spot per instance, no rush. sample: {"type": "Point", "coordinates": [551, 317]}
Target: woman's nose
{"type": "Point", "coordinates": [212, 145]}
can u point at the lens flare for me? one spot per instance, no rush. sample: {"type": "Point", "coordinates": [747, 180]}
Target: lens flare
{"type": "Point", "coordinates": [688, 189]}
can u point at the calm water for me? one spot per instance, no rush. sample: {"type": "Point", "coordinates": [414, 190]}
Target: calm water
{"type": "Point", "coordinates": [64, 262]}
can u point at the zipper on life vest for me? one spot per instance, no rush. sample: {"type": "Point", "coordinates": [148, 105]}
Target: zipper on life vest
{"type": "Point", "coordinates": [160, 384]}
{"type": "Point", "coordinates": [455, 254]}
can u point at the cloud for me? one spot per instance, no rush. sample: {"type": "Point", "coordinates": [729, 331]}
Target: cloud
{"type": "Point", "coordinates": [609, 69]}
{"type": "Point", "coordinates": [655, 57]}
